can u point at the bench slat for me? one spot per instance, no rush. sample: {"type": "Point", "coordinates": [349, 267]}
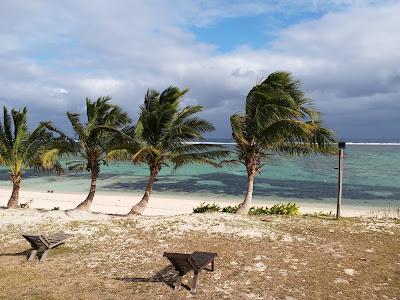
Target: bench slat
{"type": "Point", "coordinates": [202, 259]}
{"type": "Point", "coordinates": [183, 263]}
{"type": "Point", "coordinates": [42, 242]}
{"type": "Point", "coordinates": [35, 241]}
{"type": "Point", "coordinates": [56, 238]}
{"type": "Point", "coordinates": [196, 261]}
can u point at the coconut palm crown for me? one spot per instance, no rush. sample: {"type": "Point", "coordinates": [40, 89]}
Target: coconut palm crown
{"type": "Point", "coordinates": [21, 149]}
{"type": "Point", "coordinates": [278, 119]}
{"type": "Point", "coordinates": [163, 135]}
{"type": "Point", "coordinates": [95, 139]}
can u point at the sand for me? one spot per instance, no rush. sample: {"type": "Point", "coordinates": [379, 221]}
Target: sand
{"type": "Point", "coordinates": [259, 257]}
{"type": "Point", "coordinates": [280, 257]}
{"type": "Point", "coordinates": [159, 205]}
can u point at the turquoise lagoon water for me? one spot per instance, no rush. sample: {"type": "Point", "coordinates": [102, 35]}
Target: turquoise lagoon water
{"type": "Point", "coordinates": [371, 177]}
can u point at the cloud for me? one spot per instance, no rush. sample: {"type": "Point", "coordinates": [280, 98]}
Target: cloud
{"type": "Point", "coordinates": [103, 86]}
{"type": "Point", "coordinates": [53, 55]}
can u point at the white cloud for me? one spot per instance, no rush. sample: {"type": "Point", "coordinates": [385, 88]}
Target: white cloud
{"type": "Point", "coordinates": [60, 91]}
{"type": "Point", "coordinates": [102, 86]}
{"type": "Point", "coordinates": [53, 55]}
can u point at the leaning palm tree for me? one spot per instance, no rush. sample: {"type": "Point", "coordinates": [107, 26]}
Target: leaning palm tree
{"type": "Point", "coordinates": [278, 119]}
{"type": "Point", "coordinates": [95, 139]}
{"type": "Point", "coordinates": [21, 149]}
{"type": "Point", "coordinates": [163, 134]}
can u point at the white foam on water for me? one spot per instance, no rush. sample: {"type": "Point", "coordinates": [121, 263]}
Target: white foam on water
{"type": "Point", "coordinates": [347, 143]}
{"type": "Point", "coordinates": [373, 144]}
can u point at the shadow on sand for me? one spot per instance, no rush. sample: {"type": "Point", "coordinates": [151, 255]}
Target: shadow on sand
{"type": "Point", "coordinates": [234, 185]}
{"type": "Point", "coordinates": [224, 183]}
{"type": "Point", "coordinates": [167, 275]}
{"type": "Point", "coordinates": [25, 253]}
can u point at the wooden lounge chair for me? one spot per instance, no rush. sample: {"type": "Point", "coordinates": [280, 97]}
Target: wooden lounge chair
{"type": "Point", "coordinates": [196, 261]}
{"type": "Point", "coordinates": [44, 243]}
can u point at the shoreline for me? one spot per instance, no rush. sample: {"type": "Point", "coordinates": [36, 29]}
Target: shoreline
{"type": "Point", "coordinates": [163, 205]}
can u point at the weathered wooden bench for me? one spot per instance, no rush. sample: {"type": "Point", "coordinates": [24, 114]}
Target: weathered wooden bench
{"type": "Point", "coordinates": [44, 243]}
{"type": "Point", "coordinates": [183, 263]}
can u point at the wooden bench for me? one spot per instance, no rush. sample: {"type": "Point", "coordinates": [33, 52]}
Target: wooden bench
{"type": "Point", "coordinates": [183, 263]}
{"type": "Point", "coordinates": [44, 243]}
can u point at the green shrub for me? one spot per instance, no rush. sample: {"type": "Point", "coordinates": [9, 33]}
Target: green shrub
{"type": "Point", "coordinates": [230, 209]}
{"type": "Point", "coordinates": [203, 208]}
{"type": "Point", "coordinates": [292, 209]}
{"type": "Point", "coordinates": [282, 209]}
{"type": "Point", "coordinates": [278, 209]}
{"type": "Point", "coordinates": [256, 211]}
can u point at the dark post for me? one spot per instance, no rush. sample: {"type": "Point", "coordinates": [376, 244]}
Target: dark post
{"type": "Point", "coordinates": [342, 146]}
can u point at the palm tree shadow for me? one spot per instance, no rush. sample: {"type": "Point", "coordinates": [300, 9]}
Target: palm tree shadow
{"type": "Point", "coordinates": [167, 275]}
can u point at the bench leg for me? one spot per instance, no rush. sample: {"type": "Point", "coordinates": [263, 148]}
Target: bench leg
{"type": "Point", "coordinates": [33, 253]}
{"type": "Point", "coordinates": [194, 284]}
{"type": "Point", "coordinates": [179, 281]}
{"type": "Point", "coordinates": [44, 255]}
{"type": "Point", "coordinates": [212, 266]}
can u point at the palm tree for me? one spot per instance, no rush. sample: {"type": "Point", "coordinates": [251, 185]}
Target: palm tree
{"type": "Point", "coordinates": [278, 119]}
{"type": "Point", "coordinates": [95, 139]}
{"type": "Point", "coordinates": [163, 134]}
{"type": "Point", "coordinates": [20, 148]}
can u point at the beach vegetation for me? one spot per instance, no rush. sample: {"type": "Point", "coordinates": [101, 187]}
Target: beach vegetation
{"type": "Point", "coordinates": [20, 149]}
{"type": "Point", "coordinates": [288, 209]}
{"type": "Point", "coordinates": [210, 207]}
{"type": "Point", "coordinates": [389, 212]}
{"type": "Point", "coordinates": [230, 209]}
{"type": "Point", "coordinates": [278, 119]}
{"type": "Point", "coordinates": [166, 134]}
{"type": "Point", "coordinates": [95, 139]}
{"type": "Point", "coordinates": [284, 209]}
{"type": "Point", "coordinates": [321, 214]}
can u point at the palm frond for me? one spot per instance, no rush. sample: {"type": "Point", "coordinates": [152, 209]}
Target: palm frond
{"type": "Point", "coordinates": [77, 166]}
{"type": "Point", "coordinates": [237, 125]}
{"type": "Point", "coordinates": [7, 129]}
{"type": "Point", "coordinates": [76, 125]}
{"type": "Point", "coordinates": [102, 132]}
{"type": "Point", "coordinates": [119, 155]}
{"type": "Point", "coordinates": [187, 112]}
{"type": "Point", "coordinates": [172, 95]}
{"type": "Point", "coordinates": [140, 156]}
{"type": "Point", "coordinates": [163, 133]}
{"type": "Point", "coordinates": [209, 158]}
{"type": "Point", "coordinates": [279, 118]}
{"type": "Point", "coordinates": [21, 148]}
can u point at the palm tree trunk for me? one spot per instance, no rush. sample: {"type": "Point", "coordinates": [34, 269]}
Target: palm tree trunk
{"type": "Point", "coordinates": [139, 207]}
{"type": "Point", "coordinates": [85, 205]}
{"type": "Point", "coordinates": [14, 199]}
{"type": "Point", "coordinates": [246, 204]}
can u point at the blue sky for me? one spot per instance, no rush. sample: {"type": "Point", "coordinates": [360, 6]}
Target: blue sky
{"type": "Point", "coordinates": [231, 33]}
{"type": "Point", "coordinates": [256, 31]}
{"type": "Point", "coordinates": [54, 54]}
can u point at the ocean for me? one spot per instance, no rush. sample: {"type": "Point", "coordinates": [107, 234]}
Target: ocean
{"type": "Point", "coordinates": [371, 177]}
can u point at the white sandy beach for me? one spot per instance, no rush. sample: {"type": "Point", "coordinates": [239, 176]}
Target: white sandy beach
{"type": "Point", "coordinates": [158, 205]}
